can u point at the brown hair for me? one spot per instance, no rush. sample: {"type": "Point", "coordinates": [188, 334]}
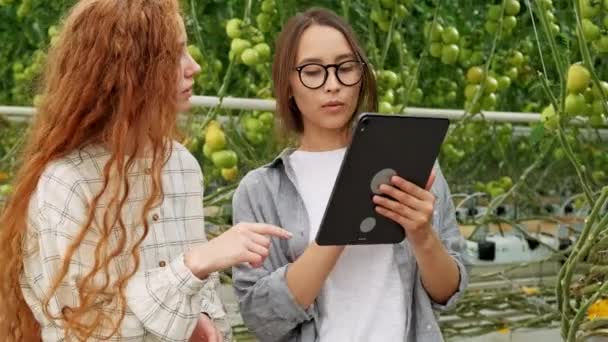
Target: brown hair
{"type": "Point", "coordinates": [285, 60]}
{"type": "Point", "coordinates": [111, 79]}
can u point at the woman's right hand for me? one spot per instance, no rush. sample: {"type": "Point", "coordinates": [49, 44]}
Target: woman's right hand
{"type": "Point", "coordinates": [243, 243]}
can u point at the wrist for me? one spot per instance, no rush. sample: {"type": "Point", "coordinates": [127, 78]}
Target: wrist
{"type": "Point", "coordinates": [200, 265]}
{"type": "Point", "coordinates": [425, 242]}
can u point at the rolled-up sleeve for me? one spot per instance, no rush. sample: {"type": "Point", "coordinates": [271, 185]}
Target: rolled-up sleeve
{"type": "Point", "coordinates": [450, 236]}
{"type": "Point", "coordinates": [267, 305]}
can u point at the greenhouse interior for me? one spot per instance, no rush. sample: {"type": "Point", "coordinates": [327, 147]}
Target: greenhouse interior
{"type": "Point", "coordinates": [522, 83]}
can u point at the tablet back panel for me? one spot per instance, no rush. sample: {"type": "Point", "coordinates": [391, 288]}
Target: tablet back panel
{"type": "Point", "coordinates": [407, 145]}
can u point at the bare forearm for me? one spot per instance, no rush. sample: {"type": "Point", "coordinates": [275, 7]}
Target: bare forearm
{"type": "Point", "coordinates": [439, 273]}
{"type": "Point", "coordinates": [306, 276]}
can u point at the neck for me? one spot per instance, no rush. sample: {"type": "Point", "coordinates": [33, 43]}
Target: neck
{"type": "Point", "coordinates": [324, 140]}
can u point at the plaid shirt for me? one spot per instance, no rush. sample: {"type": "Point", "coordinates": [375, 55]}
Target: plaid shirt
{"type": "Point", "coordinates": [164, 298]}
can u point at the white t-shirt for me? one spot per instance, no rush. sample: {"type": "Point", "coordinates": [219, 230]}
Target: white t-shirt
{"type": "Point", "coordinates": [362, 299]}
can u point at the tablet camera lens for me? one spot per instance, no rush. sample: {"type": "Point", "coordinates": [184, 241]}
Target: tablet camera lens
{"type": "Point", "coordinates": [364, 123]}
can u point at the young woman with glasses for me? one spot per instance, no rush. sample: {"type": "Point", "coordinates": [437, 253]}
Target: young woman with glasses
{"type": "Point", "coordinates": [306, 292]}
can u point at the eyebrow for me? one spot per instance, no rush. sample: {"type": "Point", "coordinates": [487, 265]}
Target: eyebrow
{"type": "Point", "coordinates": [318, 60]}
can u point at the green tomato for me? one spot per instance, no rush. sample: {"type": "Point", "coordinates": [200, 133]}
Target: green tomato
{"type": "Point", "coordinates": [596, 121]}
{"type": "Point", "coordinates": [24, 9]}
{"type": "Point", "coordinates": [435, 49]}
{"type": "Point", "coordinates": [601, 44]}
{"type": "Point", "coordinates": [597, 108]}
{"type": "Point", "coordinates": [512, 73]}
{"type": "Point", "coordinates": [401, 11]}
{"type": "Point", "coordinates": [578, 78]}
{"type": "Point", "coordinates": [255, 137]}
{"type": "Point", "coordinates": [207, 151]}
{"type": "Point", "coordinates": [416, 96]}
{"type": "Point", "coordinates": [390, 77]}
{"type": "Point", "coordinates": [233, 28]}
{"type": "Point", "coordinates": [494, 12]}
{"type": "Point", "coordinates": [590, 30]}
{"type": "Point", "coordinates": [267, 119]}
{"type": "Point", "coordinates": [491, 26]}
{"type": "Point", "coordinates": [471, 90]}
{"type": "Point", "coordinates": [389, 96]}
{"type": "Point", "coordinates": [436, 32]}
{"type": "Point", "coordinates": [512, 7]}
{"type": "Point", "coordinates": [215, 139]}
{"type": "Point", "coordinates": [6, 189]}
{"type": "Point", "coordinates": [263, 50]}
{"type": "Point", "coordinates": [506, 182]}
{"type": "Point", "coordinates": [450, 35]}
{"type": "Point", "coordinates": [268, 6]}
{"type": "Point", "coordinates": [264, 21]}
{"type": "Point", "coordinates": [598, 175]}
{"type": "Point", "coordinates": [495, 191]}
{"type": "Point", "coordinates": [509, 22]}
{"type": "Point", "coordinates": [196, 53]}
{"type": "Point", "coordinates": [489, 101]}
{"type": "Point", "coordinates": [546, 4]}
{"type": "Point", "coordinates": [387, 3]}
{"type": "Point", "coordinates": [559, 153]}
{"type": "Point", "coordinates": [475, 75]}
{"type": "Point", "coordinates": [449, 54]}
{"type": "Point", "coordinates": [385, 107]}
{"type": "Point", "coordinates": [504, 82]}
{"type": "Point", "coordinates": [549, 117]}
{"type": "Point", "coordinates": [252, 124]}
{"type": "Point", "coordinates": [225, 159]}
{"type": "Point", "coordinates": [451, 96]}
{"type": "Point", "coordinates": [250, 57]}
{"type": "Point", "coordinates": [477, 58]}
{"type": "Point", "coordinates": [384, 25]}
{"type": "Point", "coordinates": [589, 8]}
{"type": "Point", "coordinates": [473, 108]}
{"type": "Point", "coordinates": [465, 57]}
{"type": "Point", "coordinates": [596, 91]}
{"type": "Point", "coordinates": [491, 85]}
{"type": "Point", "coordinates": [238, 45]}
{"type": "Point", "coordinates": [517, 58]}
{"type": "Point", "coordinates": [53, 31]}
{"type": "Point", "coordinates": [575, 104]}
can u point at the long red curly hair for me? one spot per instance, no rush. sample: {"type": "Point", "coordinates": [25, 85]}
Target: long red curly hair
{"type": "Point", "coordinates": [111, 79]}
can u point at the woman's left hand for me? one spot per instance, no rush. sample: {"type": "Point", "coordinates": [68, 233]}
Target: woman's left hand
{"type": "Point", "coordinates": [206, 331]}
{"type": "Point", "coordinates": [409, 205]}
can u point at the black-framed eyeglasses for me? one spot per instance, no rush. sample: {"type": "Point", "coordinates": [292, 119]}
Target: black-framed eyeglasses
{"type": "Point", "coordinates": [314, 75]}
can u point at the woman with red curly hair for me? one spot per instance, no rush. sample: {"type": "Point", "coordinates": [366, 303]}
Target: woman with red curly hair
{"type": "Point", "coordinates": [104, 236]}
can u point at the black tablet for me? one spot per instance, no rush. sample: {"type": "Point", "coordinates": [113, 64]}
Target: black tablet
{"type": "Point", "coordinates": [381, 146]}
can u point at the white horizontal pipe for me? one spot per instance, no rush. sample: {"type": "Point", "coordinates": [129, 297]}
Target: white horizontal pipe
{"type": "Point", "coordinates": [269, 105]}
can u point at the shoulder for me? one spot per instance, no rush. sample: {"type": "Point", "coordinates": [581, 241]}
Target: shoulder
{"type": "Point", "coordinates": [181, 157]}
{"type": "Point", "coordinates": [255, 182]}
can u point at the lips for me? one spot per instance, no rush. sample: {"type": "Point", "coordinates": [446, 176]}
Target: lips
{"type": "Point", "coordinates": [187, 91]}
{"type": "Point", "coordinates": [333, 105]}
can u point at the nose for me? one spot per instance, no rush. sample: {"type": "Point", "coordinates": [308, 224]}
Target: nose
{"type": "Point", "coordinates": [192, 68]}
{"type": "Point", "coordinates": [332, 84]}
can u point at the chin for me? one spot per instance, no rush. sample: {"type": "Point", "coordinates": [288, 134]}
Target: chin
{"type": "Point", "coordinates": [336, 123]}
{"type": "Point", "coordinates": [184, 107]}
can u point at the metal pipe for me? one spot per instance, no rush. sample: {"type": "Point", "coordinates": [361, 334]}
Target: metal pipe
{"type": "Point", "coordinates": [269, 105]}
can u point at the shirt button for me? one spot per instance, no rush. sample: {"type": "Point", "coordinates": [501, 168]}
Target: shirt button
{"type": "Point", "coordinates": [155, 217]}
{"type": "Point", "coordinates": [147, 170]}
{"type": "Point", "coordinates": [428, 327]}
{"type": "Point", "coordinates": [162, 263]}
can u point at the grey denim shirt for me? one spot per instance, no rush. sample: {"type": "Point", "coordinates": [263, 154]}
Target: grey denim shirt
{"type": "Point", "coordinates": [268, 194]}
